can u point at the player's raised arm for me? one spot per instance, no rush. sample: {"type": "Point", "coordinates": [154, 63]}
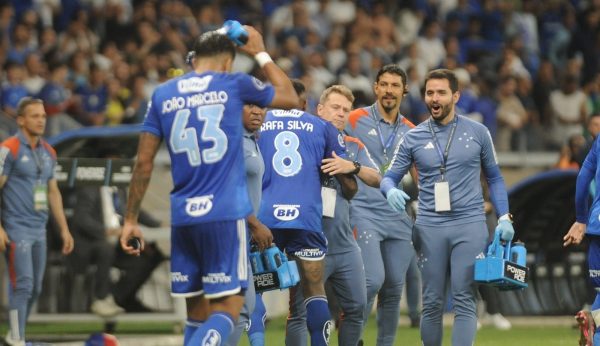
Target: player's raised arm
{"type": "Point", "coordinates": [285, 96]}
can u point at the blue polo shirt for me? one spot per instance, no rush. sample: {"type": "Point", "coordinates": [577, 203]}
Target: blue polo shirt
{"type": "Point", "coordinates": [25, 167]}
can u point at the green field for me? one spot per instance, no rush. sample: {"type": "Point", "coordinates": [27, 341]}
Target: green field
{"type": "Point", "coordinates": [528, 336]}
{"type": "Point", "coordinates": [521, 336]}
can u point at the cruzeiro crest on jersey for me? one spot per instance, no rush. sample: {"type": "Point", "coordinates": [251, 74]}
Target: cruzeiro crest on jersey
{"type": "Point", "coordinates": [341, 141]}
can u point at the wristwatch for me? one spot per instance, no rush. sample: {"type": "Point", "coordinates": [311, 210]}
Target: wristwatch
{"type": "Point", "coordinates": [356, 167]}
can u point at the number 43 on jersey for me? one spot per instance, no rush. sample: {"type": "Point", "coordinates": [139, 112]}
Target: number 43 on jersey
{"type": "Point", "coordinates": [185, 140]}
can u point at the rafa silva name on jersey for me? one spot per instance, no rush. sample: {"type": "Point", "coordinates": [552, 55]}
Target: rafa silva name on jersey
{"type": "Point", "coordinates": [287, 124]}
{"type": "Point", "coordinates": [272, 125]}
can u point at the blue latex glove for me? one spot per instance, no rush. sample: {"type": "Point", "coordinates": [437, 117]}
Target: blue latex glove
{"type": "Point", "coordinates": [397, 199]}
{"type": "Point", "coordinates": [506, 227]}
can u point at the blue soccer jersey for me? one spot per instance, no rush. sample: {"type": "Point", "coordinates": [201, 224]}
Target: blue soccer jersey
{"type": "Point", "coordinates": [199, 116]}
{"type": "Point", "coordinates": [589, 171]}
{"type": "Point", "coordinates": [293, 143]}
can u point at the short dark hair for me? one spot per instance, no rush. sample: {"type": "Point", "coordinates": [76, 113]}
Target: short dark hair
{"type": "Point", "coordinates": [211, 43]}
{"type": "Point", "coordinates": [26, 102]}
{"type": "Point", "coordinates": [393, 69]}
{"type": "Point", "coordinates": [443, 73]}
{"type": "Point", "coordinates": [298, 86]}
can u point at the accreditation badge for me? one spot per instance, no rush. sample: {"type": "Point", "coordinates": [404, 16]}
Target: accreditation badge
{"type": "Point", "coordinates": [328, 195]}
{"type": "Point", "coordinates": [441, 191]}
{"type": "Point", "coordinates": [40, 197]}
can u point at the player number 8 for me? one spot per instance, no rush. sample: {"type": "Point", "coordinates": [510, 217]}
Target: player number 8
{"type": "Point", "coordinates": [287, 161]}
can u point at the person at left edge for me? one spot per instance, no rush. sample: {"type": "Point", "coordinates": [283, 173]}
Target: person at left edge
{"type": "Point", "coordinates": [199, 116]}
{"type": "Point", "coordinates": [28, 189]}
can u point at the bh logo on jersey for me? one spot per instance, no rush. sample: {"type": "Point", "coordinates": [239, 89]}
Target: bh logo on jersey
{"type": "Point", "coordinates": [212, 338]}
{"type": "Point", "coordinates": [286, 212]}
{"type": "Point", "coordinates": [198, 206]}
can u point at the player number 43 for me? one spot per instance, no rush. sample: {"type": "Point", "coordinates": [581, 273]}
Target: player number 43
{"type": "Point", "coordinates": [185, 140]}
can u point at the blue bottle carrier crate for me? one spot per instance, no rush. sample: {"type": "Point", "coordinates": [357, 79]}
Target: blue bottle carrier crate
{"type": "Point", "coordinates": [502, 266]}
{"type": "Point", "coordinates": [272, 270]}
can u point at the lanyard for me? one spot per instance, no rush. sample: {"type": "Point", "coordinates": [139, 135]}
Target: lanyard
{"type": "Point", "coordinates": [444, 156]}
{"type": "Point", "coordinates": [38, 161]}
{"type": "Point", "coordinates": [390, 139]}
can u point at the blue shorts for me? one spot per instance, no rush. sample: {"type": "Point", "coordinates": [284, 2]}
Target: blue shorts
{"type": "Point", "coordinates": [594, 260]}
{"type": "Point", "coordinates": [306, 245]}
{"type": "Point", "coordinates": [210, 259]}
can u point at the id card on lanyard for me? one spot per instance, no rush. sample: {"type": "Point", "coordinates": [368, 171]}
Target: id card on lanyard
{"type": "Point", "coordinates": [441, 189]}
{"type": "Point", "coordinates": [328, 196]}
{"type": "Point", "coordinates": [40, 190]}
{"type": "Point", "coordinates": [384, 144]}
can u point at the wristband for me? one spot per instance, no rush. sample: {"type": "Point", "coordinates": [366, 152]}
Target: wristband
{"type": "Point", "coordinates": [262, 58]}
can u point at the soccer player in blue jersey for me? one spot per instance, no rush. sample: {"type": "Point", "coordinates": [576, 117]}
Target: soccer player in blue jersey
{"type": "Point", "coordinates": [449, 152]}
{"type": "Point", "coordinates": [588, 223]}
{"type": "Point", "coordinates": [253, 314]}
{"type": "Point", "coordinates": [383, 234]}
{"type": "Point", "coordinates": [344, 269]}
{"type": "Point", "coordinates": [199, 116]}
{"type": "Point", "coordinates": [293, 143]}
{"type": "Point", "coordinates": [28, 189]}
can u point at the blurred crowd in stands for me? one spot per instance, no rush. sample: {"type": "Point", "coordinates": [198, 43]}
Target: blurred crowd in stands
{"type": "Point", "coordinates": [529, 69]}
